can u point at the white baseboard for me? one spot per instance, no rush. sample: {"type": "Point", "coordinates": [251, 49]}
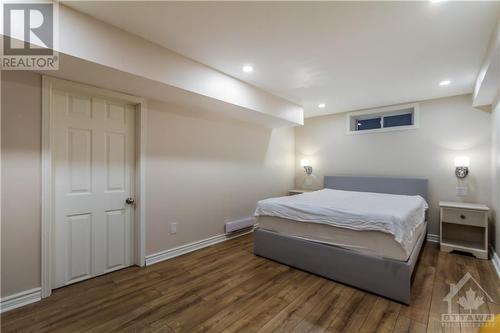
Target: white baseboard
{"type": "Point", "coordinates": [183, 249]}
{"type": "Point", "coordinates": [495, 260]}
{"type": "Point", "coordinates": [20, 299]}
{"type": "Point", "coordinates": [433, 238]}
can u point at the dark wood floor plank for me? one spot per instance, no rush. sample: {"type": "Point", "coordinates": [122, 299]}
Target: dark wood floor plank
{"type": "Point", "coordinates": [422, 285]}
{"type": "Point", "coordinates": [237, 297]}
{"type": "Point", "coordinates": [356, 313]}
{"type": "Point", "coordinates": [291, 315]}
{"type": "Point", "coordinates": [251, 316]}
{"type": "Point", "coordinates": [466, 265]}
{"type": "Point", "coordinates": [382, 317]}
{"type": "Point", "coordinates": [225, 288]}
{"type": "Point", "coordinates": [447, 272]}
{"type": "Point", "coordinates": [321, 316]}
{"type": "Point", "coordinates": [213, 302]}
{"type": "Point", "coordinates": [407, 325]}
{"type": "Point", "coordinates": [490, 281]}
{"type": "Point", "coordinates": [341, 319]}
{"type": "Point", "coordinates": [250, 304]}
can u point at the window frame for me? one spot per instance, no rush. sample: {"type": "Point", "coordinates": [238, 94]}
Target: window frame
{"type": "Point", "coordinates": [353, 116]}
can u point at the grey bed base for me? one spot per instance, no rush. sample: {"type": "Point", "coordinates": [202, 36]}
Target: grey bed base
{"type": "Point", "coordinates": [382, 276]}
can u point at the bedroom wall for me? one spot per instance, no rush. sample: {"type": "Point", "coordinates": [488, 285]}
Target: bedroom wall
{"type": "Point", "coordinates": [201, 170]}
{"type": "Point", "coordinates": [448, 127]}
{"type": "Point", "coordinates": [21, 183]}
{"type": "Point", "coordinates": [496, 172]}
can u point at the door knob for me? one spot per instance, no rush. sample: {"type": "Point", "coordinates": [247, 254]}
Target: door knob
{"type": "Point", "coordinates": [129, 201]}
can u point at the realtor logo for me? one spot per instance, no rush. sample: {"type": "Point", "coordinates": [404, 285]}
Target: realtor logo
{"type": "Point", "coordinates": [29, 36]}
{"type": "Point", "coordinates": [469, 304]}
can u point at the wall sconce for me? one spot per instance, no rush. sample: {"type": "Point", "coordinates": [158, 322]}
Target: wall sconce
{"type": "Point", "coordinates": [307, 166]}
{"type": "Point", "coordinates": [462, 164]}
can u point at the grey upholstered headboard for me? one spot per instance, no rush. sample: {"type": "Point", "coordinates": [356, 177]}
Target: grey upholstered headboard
{"type": "Point", "coordinates": [405, 186]}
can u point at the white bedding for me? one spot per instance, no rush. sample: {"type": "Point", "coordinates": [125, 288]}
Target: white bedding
{"type": "Point", "coordinates": [398, 215]}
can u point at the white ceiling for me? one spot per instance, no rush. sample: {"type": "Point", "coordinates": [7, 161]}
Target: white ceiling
{"type": "Point", "coordinates": [349, 55]}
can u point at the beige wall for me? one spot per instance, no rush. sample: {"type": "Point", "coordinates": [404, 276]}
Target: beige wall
{"type": "Point", "coordinates": [203, 170]}
{"type": "Point", "coordinates": [496, 171]}
{"type": "Point", "coordinates": [448, 127]}
{"type": "Point", "coordinates": [21, 187]}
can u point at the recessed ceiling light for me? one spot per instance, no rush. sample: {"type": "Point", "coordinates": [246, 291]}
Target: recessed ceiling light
{"type": "Point", "coordinates": [321, 105]}
{"type": "Point", "coordinates": [247, 69]}
{"type": "Point", "coordinates": [444, 83]}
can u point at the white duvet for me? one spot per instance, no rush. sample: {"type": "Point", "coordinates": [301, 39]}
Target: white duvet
{"type": "Point", "coordinates": [398, 215]}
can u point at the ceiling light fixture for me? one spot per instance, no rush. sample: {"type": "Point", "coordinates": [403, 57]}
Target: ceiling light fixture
{"type": "Point", "coordinates": [444, 83]}
{"type": "Point", "coordinates": [321, 105]}
{"type": "Point", "coordinates": [247, 69]}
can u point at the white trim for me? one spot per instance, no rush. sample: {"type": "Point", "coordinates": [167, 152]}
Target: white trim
{"type": "Point", "coordinates": [49, 83]}
{"type": "Point", "coordinates": [140, 178]}
{"type": "Point", "coordinates": [47, 205]}
{"type": "Point", "coordinates": [495, 260]}
{"type": "Point", "coordinates": [0, 154]}
{"type": "Point", "coordinates": [20, 299]}
{"type": "Point", "coordinates": [385, 111]}
{"type": "Point", "coordinates": [433, 238]}
{"type": "Point", "coordinates": [183, 249]}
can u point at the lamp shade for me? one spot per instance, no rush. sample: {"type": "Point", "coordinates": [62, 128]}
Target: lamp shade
{"type": "Point", "coordinates": [462, 161]}
{"type": "Point", "coordinates": [304, 162]}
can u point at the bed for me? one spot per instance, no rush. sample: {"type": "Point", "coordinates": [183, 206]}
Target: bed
{"type": "Point", "coordinates": [351, 232]}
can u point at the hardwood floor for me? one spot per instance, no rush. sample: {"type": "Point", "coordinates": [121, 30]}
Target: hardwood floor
{"type": "Point", "coordinates": [225, 288]}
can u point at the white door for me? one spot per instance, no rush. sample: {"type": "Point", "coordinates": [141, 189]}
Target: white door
{"type": "Point", "coordinates": [93, 173]}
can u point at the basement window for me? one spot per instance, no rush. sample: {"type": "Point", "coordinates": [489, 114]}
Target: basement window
{"type": "Point", "coordinates": [402, 117]}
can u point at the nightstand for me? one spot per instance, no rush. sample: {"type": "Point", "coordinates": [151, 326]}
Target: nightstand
{"type": "Point", "coordinates": [464, 227]}
{"type": "Point", "coordinates": [298, 191]}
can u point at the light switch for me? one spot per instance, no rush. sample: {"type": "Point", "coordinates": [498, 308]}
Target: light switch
{"type": "Point", "coordinates": [461, 191]}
